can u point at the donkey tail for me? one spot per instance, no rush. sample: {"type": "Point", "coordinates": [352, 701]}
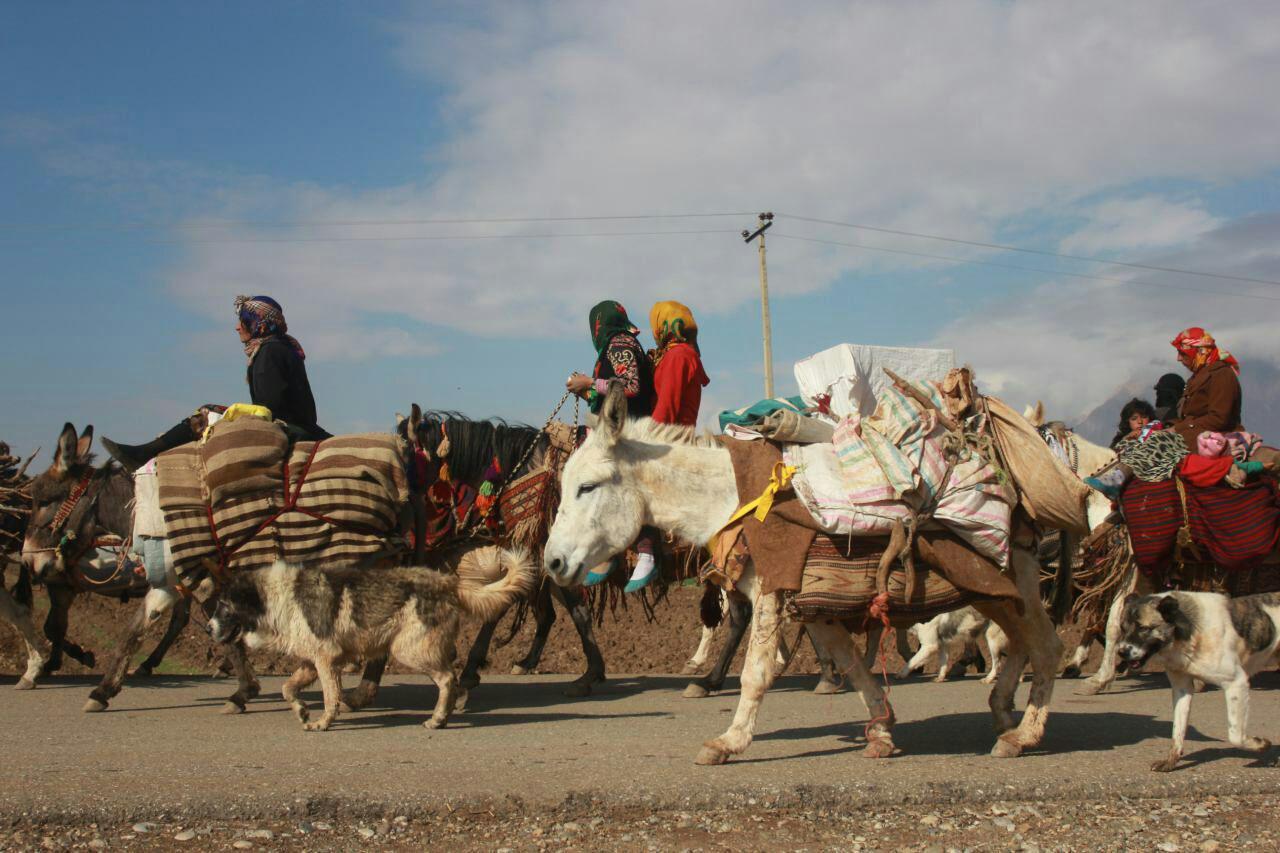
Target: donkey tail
{"type": "Point", "coordinates": [489, 601]}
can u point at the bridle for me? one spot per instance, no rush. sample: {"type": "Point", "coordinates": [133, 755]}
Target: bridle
{"type": "Point", "coordinates": [82, 500]}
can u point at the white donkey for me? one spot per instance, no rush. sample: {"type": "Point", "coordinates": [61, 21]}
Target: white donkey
{"type": "Point", "coordinates": [631, 473]}
{"type": "Point", "coordinates": [1090, 458]}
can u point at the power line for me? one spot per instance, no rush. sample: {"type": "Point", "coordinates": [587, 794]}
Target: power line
{"type": "Point", "coordinates": [325, 223]}
{"type": "Point", "coordinates": [1044, 252]}
{"type": "Point", "coordinates": [956, 260]}
{"type": "Point", "coordinates": [443, 237]}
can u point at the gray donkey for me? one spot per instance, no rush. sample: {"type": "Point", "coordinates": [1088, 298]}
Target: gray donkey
{"type": "Point", "coordinates": [71, 503]}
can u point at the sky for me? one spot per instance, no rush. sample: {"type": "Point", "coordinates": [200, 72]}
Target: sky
{"type": "Point", "coordinates": [157, 159]}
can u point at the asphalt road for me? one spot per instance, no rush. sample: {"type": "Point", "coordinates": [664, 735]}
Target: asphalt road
{"type": "Point", "coordinates": [164, 748]}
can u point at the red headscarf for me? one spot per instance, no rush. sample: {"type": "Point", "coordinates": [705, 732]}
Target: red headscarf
{"type": "Point", "coordinates": [1198, 345]}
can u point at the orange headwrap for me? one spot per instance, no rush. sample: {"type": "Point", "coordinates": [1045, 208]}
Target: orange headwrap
{"type": "Point", "coordinates": [1199, 346]}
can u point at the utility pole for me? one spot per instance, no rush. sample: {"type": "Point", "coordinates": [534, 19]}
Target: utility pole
{"type": "Point", "coordinates": [765, 221]}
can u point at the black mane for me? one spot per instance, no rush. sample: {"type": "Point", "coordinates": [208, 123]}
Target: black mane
{"type": "Point", "coordinates": [473, 444]}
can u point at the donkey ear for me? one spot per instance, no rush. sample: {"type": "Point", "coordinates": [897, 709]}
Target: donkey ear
{"type": "Point", "coordinates": [85, 442]}
{"type": "Point", "coordinates": [613, 414]}
{"type": "Point", "coordinates": [65, 455]}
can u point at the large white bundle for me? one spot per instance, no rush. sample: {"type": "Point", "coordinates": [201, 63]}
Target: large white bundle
{"type": "Point", "coordinates": [853, 374]}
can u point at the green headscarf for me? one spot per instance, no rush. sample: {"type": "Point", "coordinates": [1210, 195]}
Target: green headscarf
{"type": "Point", "coordinates": [607, 319]}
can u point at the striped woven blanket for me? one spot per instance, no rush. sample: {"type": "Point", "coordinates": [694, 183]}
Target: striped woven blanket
{"type": "Point", "coordinates": [244, 499]}
{"type": "Point", "coordinates": [1233, 528]}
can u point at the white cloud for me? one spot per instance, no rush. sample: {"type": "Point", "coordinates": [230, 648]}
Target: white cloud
{"type": "Point", "coordinates": [1138, 223]}
{"type": "Point", "coordinates": [1072, 343]}
{"type": "Point", "coordinates": [958, 118]}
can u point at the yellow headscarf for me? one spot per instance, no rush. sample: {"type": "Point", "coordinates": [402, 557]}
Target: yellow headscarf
{"type": "Point", "coordinates": [672, 322]}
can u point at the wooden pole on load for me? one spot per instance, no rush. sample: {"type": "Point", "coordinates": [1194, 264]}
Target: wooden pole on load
{"type": "Point", "coordinates": [766, 220]}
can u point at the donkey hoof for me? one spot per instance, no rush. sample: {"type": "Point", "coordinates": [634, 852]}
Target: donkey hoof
{"type": "Point", "coordinates": [880, 747]}
{"type": "Point", "coordinates": [94, 706]}
{"type": "Point", "coordinates": [578, 689]}
{"type": "Point", "coordinates": [519, 670]}
{"type": "Point", "coordinates": [25, 683]}
{"type": "Point", "coordinates": [1091, 688]}
{"type": "Point", "coordinates": [433, 723]}
{"type": "Point", "coordinates": [144, 670]}
{"type": "Point", "coordinates": [710, 756]}
{"type": "Point", "coordinates": [231, 706]}
{"type": "Point", "coordinates": [696, 691]}
{"type": "Point", "coordinates": [1006, 748]}
{"type": "Point", "coordinates": [1072, 671]}
{"type": "Point", "coordinates": [828, 688]}
{"type": "Point", "coordinates": [252, 691]}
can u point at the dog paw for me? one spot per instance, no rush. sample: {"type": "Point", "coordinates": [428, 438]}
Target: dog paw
{"type": "Point", "coordinates": [317, 726]}
{"type": "Point", "coordinates": [302, 712]}
{"type": "Point", "coordinates": [709, 756]}
{"type": "Point", "coordinates": [252, 690]}
{"type": "Point", "coordinates": [1165, 765]}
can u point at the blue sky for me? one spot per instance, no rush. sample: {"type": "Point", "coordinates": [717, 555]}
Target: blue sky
{"type": "Point", "coordinates": [149, 151]}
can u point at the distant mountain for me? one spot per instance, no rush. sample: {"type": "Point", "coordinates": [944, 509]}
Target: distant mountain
{"type": "Point", "coordinates": [1259, 381]}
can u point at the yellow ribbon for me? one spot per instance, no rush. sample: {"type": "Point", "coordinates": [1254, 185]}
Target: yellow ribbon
{"type": "Point", "coordinates": [779, 479]}
{"type": "Point", "coordinates": [235, 412]}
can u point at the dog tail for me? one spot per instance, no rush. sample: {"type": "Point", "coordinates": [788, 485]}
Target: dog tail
{"type": "Point", "coordinates": [489, 601]}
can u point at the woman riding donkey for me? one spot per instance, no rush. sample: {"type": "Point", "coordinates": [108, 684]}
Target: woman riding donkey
{"type": "Point", "coordinates": [277, 377]}
{"type": "Point", "coordinates": [1209, 409]}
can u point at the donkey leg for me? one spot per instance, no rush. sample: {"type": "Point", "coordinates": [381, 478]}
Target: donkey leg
{"type": "Point", "coordinates": [845, 657]}
{"type": "Point", "coordinates": [55, 628]}
{"type": "Point", "coordinates": [177, 621]}
{"type": "Point", "coordinates": [1036, 640]}
{"type": "Point", "coordinates": [156, 603]}
{"type": "Point", "coordinates": [1079, 656]}
{"type": "Point", "coordinates": [38, 648]}
{"type": "Point", "coordinates": [757, 677]}
{"type": "Point", "coordinates": [830, 681]}
{"type": "Point", "coordinates": [739, 619]}
{"type": "Point", "coordinates": [478, 655]}
{"type": "Point", "coordinates": [698, 659]}
{"type": "Point", "coordinates": [544, 616]}
{"type": "Point", "coordinates": [580, 612]}
{"type": "Point", "coordinates": [363, 694]}
{"type": "Point", "coordinates": [248, 686]}
{"type": "Point", "coordinates": [1106, 673]}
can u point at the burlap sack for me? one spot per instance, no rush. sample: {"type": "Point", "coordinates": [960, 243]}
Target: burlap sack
{"type": "Point", "coordinates": [1052, 495]}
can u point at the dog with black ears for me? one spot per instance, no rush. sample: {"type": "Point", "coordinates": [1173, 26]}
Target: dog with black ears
{"type": "Point", "coordinates": [1207, 637]}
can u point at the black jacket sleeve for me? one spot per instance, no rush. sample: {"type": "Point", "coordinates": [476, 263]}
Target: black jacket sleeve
{"type": "Point", "coordinates": [269, 381]}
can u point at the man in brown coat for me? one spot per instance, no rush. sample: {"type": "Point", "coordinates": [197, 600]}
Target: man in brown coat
{"type": "Point", "coordinates": [1211, 402]}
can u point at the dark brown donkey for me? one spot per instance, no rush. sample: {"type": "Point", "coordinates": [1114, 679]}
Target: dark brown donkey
{"type": "Point", "coordinates": [74, 504]}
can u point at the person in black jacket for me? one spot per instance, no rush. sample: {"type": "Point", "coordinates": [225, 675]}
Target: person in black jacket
{"type": "Point", "coordinates": [277, 377]}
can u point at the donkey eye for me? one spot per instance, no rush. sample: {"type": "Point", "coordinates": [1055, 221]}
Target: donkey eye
{"type": "Point", "coordinates": [586, 487]}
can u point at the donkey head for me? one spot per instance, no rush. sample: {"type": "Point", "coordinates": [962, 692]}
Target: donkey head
{"type": "Point", "coordinates": [49, 492]}
{"type": "Point", "coordinates": [602, 506]}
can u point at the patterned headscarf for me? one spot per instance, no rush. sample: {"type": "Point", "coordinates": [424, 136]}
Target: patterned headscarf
{"type": "Point", "coordinates": [672, 323]}
{"type": "Point", "coordinates": [607, 319]}
{"type": "Point", "coordinates": [263, 317]}
{"type": "Point", "coordinates": [1199, 346]}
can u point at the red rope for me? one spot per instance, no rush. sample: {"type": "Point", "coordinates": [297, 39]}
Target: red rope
{"type": "Point", "coordinates": [879, 610]}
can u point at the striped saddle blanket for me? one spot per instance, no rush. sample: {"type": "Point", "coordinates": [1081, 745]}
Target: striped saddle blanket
{"type": "Point", "coordinates": [244, 497]}
{"type": "Point", "coordinates": [840, 583]}
{"type": "Point", "coordinates": [1232, 528]}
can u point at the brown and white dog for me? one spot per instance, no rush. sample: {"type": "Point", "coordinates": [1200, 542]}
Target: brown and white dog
{"type": "Point", "coordinates": [953, 637]}
{"type": "Point", "coordinates": [1205, 636]}
{"type": "Point", "coordinates": [329, 617]}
